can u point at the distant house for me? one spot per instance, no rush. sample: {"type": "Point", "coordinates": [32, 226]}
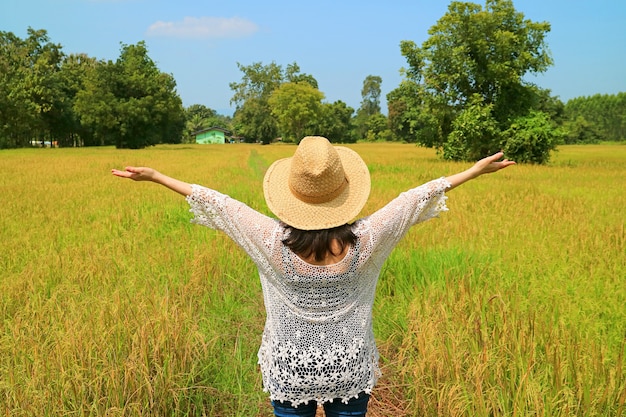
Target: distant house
{"type": "Point", "coordinates": [211, 135]}
{"type": "Point", "coordinates": [44, 144]}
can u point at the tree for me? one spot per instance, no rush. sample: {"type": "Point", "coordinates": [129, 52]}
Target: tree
{"type": "Point", "coordinates": [130, 103]}
{"type": "Point", "coordinates": [292, 75]}
{"type": "Point", "coordinates": [297, 108]}
{"type": "Point", "coordinates": [471, 130]}
{"type": "Point", "coordinates": [69, 131]}
{"type": "Point", "coordinates": [378, 128]}
{"type": "Point", "coordinates": [335, 122]}
{"type": "Point", "coordinates": [475, 57]}
{"type": "Point", "coordinates": [409, 120]}
{"type": "Point", "coordinates": [370, 104]}
{"type": "Point", "coordinates": [96, 105]}
{"type": "Point", "coordinates": [30, 88]}
{"type": "Point", "coordinates": [253, 118]}
{"type": "Point", "coordinates": [199, 110]}
{"type": "Point", "coordinates": [254, 123]}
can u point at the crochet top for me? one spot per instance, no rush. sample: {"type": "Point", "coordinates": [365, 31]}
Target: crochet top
{"type": "Point", "coordinates": [318, 343]}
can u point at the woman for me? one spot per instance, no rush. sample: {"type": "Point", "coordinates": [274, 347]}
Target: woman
{"type": "Point", "coordinates": [318, 270]}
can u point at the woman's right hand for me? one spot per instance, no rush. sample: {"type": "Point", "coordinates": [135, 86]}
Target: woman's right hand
{"type": "Point", "coordinates": [149, 174]}
{"type": "Point", "coordinates": [135, 173]}
{"type": "Point", "coordinates": [491, 164]}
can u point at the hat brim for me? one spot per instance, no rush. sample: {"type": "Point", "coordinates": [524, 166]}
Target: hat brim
{"type": "Point", "coordinates": [309, 216]}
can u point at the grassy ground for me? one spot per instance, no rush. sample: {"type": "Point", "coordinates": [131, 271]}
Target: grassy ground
{"type": "Point", "coordinates": [112, 304]}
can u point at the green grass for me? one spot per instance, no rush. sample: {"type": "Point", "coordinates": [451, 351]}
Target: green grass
{"type": "Point", "coordinates": [113, 304]}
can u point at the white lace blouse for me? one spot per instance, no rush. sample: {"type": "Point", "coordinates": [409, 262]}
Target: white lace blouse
{"type": "Point", "coordinates": [318, 343]}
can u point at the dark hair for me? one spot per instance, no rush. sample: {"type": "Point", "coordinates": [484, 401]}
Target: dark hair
{"type": "Point", "coordinates": [318, 242]}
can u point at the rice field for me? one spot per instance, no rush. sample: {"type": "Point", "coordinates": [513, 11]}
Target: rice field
{"type": "Point", "coordinates": [513, 303]}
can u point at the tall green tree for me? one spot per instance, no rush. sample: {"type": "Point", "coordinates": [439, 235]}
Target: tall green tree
{"type": "Point", "coordinates": [370, 93]}
{"type": "Point", "coordinates": [253, 118]}
{"type": "Point", "coordinates": [258, 81]}
{"type": "Point", "coordinates": [293, 75]}
{"type": "Point", "coordinates": [130, 103]}
{"type": "Point", "coordinates": [370, 104]}
{"type": "Point", "coordinates": [74, 71]}
{"type": "Point", "coordinates": [409, 119]}
{"type": "Point", "coordinates": [473, 66]}
{"type": "Point", "coordinates": [96, 105]}
{"type": "Point", "coordinates": [297, 108]}
{"type": "Point", "coordinates": [30, 88]}
{"type": "Point", "coordinates": [15, 112]}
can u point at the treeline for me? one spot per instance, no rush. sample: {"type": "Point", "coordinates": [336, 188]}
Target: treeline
{"type": "Point", "coordinates": [463, 93]}
{"type": "Point", "coordinates": [77, 100]}
{"type": "Point", "coordinates": [49, 97]}
{"type": "Point", "coordinates": [601, 117]}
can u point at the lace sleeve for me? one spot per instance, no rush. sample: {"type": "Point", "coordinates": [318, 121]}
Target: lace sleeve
{"type": "Point", "coordinates": [251, 230]}
{"type": "Point", "coordinates": [419, 204]}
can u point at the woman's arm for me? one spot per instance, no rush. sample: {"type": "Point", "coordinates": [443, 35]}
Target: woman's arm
{"type": "Point", "coordinates": [149, 174]}
{"type": "Point", "coordinates": [484, 166]}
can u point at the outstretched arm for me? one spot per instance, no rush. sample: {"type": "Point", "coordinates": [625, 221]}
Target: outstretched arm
{"type": "Point", "coordinates": [484, 166]}
{"type": "Point", "coordinates": [149, 174]}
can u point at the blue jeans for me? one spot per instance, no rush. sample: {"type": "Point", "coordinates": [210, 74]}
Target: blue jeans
{"type": "Point", "coordinates": [355, 407]}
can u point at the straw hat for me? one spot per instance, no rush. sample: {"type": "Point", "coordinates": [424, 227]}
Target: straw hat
{"type": "Point", "coordinates": [320, 187]}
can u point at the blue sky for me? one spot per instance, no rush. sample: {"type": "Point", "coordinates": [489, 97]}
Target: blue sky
{"type": "Point", "coordinates": [339, 42]}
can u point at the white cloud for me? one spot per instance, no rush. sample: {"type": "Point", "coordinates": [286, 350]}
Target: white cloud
{"type": "Point", "coordinates": [204, 28]}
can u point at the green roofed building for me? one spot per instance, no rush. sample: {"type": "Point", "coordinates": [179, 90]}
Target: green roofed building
{"type": "Point", "coordinates": [211, 135]}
